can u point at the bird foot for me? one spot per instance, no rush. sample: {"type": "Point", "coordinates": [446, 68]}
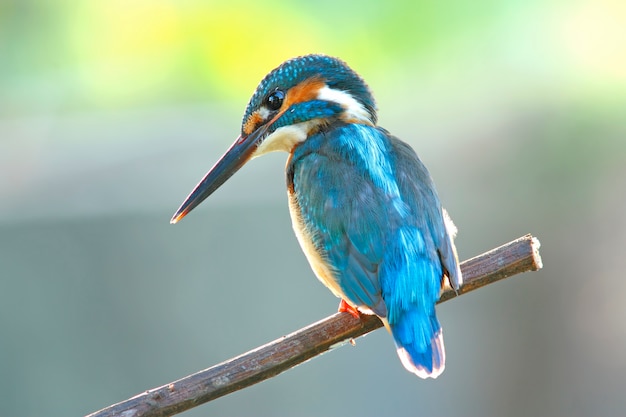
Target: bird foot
{"type": "Point", "coordinates": [347, 308]}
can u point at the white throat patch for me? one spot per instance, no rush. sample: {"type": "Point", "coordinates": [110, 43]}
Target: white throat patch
{"type": "Point", "coordinates": [284, 138]}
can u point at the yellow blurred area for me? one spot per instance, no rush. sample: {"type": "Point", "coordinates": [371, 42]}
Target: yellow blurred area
{"type": "Point", "coordinates": [128, 48]}
{"type": "Point", "coordinates": [594, 38]}
{"type": "Point", "coordinates": [117, 53]}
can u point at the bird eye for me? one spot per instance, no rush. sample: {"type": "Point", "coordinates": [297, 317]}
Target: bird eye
{"type": "Point", "coordinates": [275, 100]}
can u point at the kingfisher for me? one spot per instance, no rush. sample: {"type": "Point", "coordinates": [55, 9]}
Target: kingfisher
{"type": "Point", "coordinates": [363, 206]}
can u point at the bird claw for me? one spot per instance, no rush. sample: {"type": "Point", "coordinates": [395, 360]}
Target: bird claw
{"type": "Point", "coordinates": [347, 308]}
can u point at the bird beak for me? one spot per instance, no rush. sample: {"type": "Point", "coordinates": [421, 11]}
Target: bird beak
{"type": "Point", "coordinates": [234, 158]}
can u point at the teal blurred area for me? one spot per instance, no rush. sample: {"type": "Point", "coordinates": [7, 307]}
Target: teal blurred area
{"type": "Point", "coordinates": [110, 112]}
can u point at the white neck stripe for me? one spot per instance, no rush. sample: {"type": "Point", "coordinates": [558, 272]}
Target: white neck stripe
{"type": "Point", "coordinates": [354, 109]}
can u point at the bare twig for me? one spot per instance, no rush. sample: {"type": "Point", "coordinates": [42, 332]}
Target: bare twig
{"type": "Point", "coordinates": [515, 257]}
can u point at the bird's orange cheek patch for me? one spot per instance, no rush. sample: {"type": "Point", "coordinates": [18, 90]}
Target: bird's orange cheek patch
{"type": "Point", "coordinates": [307, 90]}
{"type": "Point", "coordinates": [303, 92]}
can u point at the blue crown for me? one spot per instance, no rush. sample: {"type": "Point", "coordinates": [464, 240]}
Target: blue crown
{"type": "Point", "coordinates": [333, 71]}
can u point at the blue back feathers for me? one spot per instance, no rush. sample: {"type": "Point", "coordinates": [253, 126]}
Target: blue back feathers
{"type": "Point", "coordinates": [372, 212]}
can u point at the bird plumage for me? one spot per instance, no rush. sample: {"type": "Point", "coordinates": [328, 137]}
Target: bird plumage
{"type": "Point", "coordinates": [363, 205]}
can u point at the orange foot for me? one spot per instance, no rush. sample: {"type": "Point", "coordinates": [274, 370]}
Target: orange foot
{"type": "Point", "coordinates": [347, 308]}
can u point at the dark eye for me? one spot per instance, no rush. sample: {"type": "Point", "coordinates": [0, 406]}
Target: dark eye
{"type": "Point", "coordinates": [275, 100]}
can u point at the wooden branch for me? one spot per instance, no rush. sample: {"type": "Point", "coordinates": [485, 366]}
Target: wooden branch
{"type": "Point", "coordinates": [515, 257]}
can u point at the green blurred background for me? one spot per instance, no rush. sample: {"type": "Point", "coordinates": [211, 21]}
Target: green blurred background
{"type": "Point", "coordinates": [111, 111]}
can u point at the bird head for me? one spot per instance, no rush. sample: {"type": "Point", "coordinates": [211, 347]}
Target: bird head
{"type": "Point", "coordinates": [302, 96]}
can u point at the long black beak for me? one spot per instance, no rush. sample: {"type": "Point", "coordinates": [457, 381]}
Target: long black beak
{"type": "Point", "coordinates": [235, 157]}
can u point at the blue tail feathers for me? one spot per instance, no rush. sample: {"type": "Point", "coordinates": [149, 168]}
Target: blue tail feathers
{"type": "Point", "coordinates": [419, 342]}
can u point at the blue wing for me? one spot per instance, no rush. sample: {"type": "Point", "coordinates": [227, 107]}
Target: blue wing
{"type": "Point", "coordinates": [370, 210]}
{"type": "Point", "coordinates": [338, 208]}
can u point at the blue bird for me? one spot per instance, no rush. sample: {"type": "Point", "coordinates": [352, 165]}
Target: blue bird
{"type": "Point", "coordinates": [363, 206]}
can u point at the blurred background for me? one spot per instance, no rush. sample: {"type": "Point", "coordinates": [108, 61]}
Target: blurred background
{"type": "Point", "coordinates": [111, 111]}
